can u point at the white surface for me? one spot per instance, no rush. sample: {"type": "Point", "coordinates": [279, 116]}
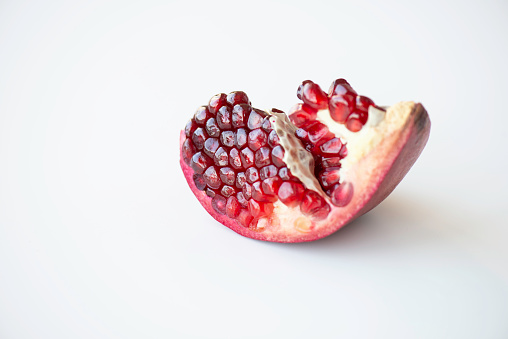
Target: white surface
{"type": "Point", "coordinates": [101, 238]}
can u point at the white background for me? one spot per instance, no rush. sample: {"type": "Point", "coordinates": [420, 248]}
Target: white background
{"type": "Point", "coordinates": [100, 236]}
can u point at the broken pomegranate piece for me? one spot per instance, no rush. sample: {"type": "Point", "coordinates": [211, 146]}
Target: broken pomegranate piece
{"type": "Point", "coordinates": [302, 176]}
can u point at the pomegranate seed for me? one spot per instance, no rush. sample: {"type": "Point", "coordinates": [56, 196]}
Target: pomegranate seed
{"type": "Point", "coordinates": [241, 199]}
{"type": "Point", "coordinates": [273, 139]}
{"type": "Point", "coordinates": [188, 151]}
{"type": "Point", "coordinates": [247, 191]}
{"type": "Point", "coordinates": [199, 181]}
{"type": "Point", "coordinates": [201, 116]}
{"type": "Point", "coordinates": [278, 156]}
{"type": "Point", "coordinates": [330, 162]}
{"type": "Point", "coordinates": [343, 151]}
{"type": "Point", "coordinates": [258, 209]}
{"type": "Point", "coordinates": [221, 157]}
{"type": "Point", "coordinates": [200, 162]}
{"type": "Point", "coordinates": [290, 193]}
{"type": "Point", "coordinates": [271, 185]}
{"type": "Point", "coordinates": [356, 120]}
{"type": "Point", "coordinates": [212, 178]}
{"type": "Point", "coordinates": [257, 139]}
{"type": "Point", "coordinates": [332, 146]}
{"type": "Point", "coordinates": [235, 159]}
{"type": "Point", "coordinates": [258, 194]}
{"type": "Point", "coordinates": [212, 128]}
{"type": "Point", "coordinates": [363, 103]}
{"type": "Point", "coordinates": [210, 192]}
{"type": "Point", "coordinates": [262, 157]}
{"type": "Point", "coordinates": [285, 174]}
{"type": "Point", "coordinates": [240, 114]}
{"type": "Point", "coordinates": [342, 194]}
{"type": "Point", "coordinates": [216, 102]}
{"type": "Point", "coordinates": [268, 172]}
{"type": "Point", "coordinates": [237, 97]}
{"type": "Point", "coordinates": [252, 174]}
{"type": "Point", "coordinates": [190, 128]}
{"type": "Point", "coordinates": [314, 205]}
{"type": "Point", "coordinates": [227, 138]}
{"type": "Point", "coordinates": [311, 94]}
{"type": "Point", "coordinates": [329, 177]}
{"type": "Point", "coordinates": [227, 191]}
{"type": "Point", "coordinates": [267, 125]}
{"type": "Point", "coordinates": [339, 109]}
{"type": "Point", "coordinates": [198, 138]}
{"type": "Point", "coordinates": [255, 120]}
{"type": "Point", "coordinates": [247, 157]}
{"type": "Point", "coordinates": [241, 138]}
{"type": "Point", "coordinates": [232, 207]}
{"type": "Point", "coordinates": [241, 179]}
{"type": "Point", "coordinates": [224, 118]}
{"type": "Point", "coordinates": [211, 146]}
{"type": "Point", "coordinates": [219, 204]}
{"type": "Point", "coordinates": [244, 218]}
{"type": "Point", "coordinates": [227, 175]}
{"type": "Point", "coordinates": [302, 135]}
{"type": "Point", "coordinates": [317, 131]}
{"type": "Point", "coordinates": [341, 87]}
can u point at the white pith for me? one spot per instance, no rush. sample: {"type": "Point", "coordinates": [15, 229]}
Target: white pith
{"type": "Point", "coordinates": [380, 124]}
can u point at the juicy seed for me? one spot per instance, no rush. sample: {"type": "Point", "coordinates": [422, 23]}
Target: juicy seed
{"type": "Point", "coordinates": [210, 192]}
{"type": "Point", "coordinates": [255, 120]}
{"type": "Point", "coordinates": [241, 138]}
{"type": "Point", "coordinates": [198, 138]}
{"type": "Point", "coordinates": [267, 125]}
{"type": "Point", "coordinates": [199, 181]}
{"type": "Point", "coordinates": [258, 209]}
{"type": "Point", "coordinates": [190, 128]}
{"type": "Point", "coordinates": [201, 116]}
{"type": "Point", "coordinates": [200, 162]}
{"type": "Point", "coordinates": [259, 195]}
{"type": "Point", "coordinates": [273, 139]}
{"type": "Point", "coordinates": [211, 146]}
{"type": "Point", "coordinates": [216, 102]}
{"type": "Point", "coordinates": [237, 97]}
{"type": "Point", "coordinates": [317, 131]}
{"type": "Point", "coordinates": [356, 120]}
{"type": "Point", "coordinates": [339, 109]}
{"type": "Point", "coordinates": [212, 128]}
{"type": "Point", "coordinates": [212, 178]}
{"type": "Point", "coordinates": [332, 146]}
{"type": "Point", "coordinates": [268, 172]}
{"type": "Point", "coordinates": [314, 205]}
{"type": "Point", "coordinates": [235, 159]}
{"type": "Point", "coordinates": [247, 191]}
{"type": "Point", "coordinates": [330, 162]}
{"type": "Point", "coordinates": [227, 175]}
{"type": "Point", "coordinates": [286, 175]}
{"type": "Point", "coordinates": [227, 191]}
{"type": "Point", "coordinates": [232, 207]}
{"type": "Point", "coordinates": [221, 157]}
{"type": "Point", "coordinates": [311, 94]}
{"type": "Point", "coordinates": [244, 218]}
{"type": "Point", "coordinates": [227, 138]}
{"type": "Point", "coordinates": [247, 158]}
{"type": "Point", "coordinates": [252, 175]}
{"type": "Point", "coordinates": [271, 186]}
{"type": "Point", "coordinates": [240, 114]}
{"type": "Point", "coordinates": [219, 204]}
{"type": "Point", "coordinates": [257, 139]}
{"type": "Point", "coordinates": [241, 179]}
{"type": "Point", "coordinates": [342, 194]}
{"type": "Point", "coordinates": [262, 157]}
{"type": "Point", "coordinates": [241, 199]}
{"type": "Point", "coordinates": [188, 151]}
{"type": "Point", "coordinates": [224, 118]}
{"type": "Point", "coordinates": [290, 193]}
{"type": "Point", "coordinates": [329, 177]}
{"type": "Point", "coordinates": [278, 156]}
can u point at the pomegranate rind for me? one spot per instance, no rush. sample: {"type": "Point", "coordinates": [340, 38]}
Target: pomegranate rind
{"type": "Point", "coordinates": [375, 176]}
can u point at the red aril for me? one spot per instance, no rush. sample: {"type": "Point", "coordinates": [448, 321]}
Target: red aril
{"type": "Point", "coordinates": [300, 177]}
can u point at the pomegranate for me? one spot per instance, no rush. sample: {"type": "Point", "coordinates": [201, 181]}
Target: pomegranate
{"type": "Point", "coordinates": [302, 176]}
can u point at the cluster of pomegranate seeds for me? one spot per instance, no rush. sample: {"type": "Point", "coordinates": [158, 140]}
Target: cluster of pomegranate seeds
{"type": "Point", "coordinates": [238, 161]}
{"type": "Point", "coordinates": [345, 107]}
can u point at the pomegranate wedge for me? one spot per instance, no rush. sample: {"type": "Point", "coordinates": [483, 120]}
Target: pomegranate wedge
{"type": "Point", "coordinates": [302, 176]}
